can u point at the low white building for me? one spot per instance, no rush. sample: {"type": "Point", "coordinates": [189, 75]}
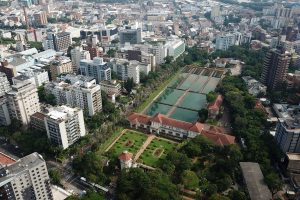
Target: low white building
{"type": "Point", "coordinates": [254, 86]}
{"type": "Point", "coordinates": [111, 87]}
{"type": "Point", "coordinates": [36, 75]}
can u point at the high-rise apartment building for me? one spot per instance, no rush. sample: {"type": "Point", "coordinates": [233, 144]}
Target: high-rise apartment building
{"type": "Point", "coordinates": [215, 11]}
{"type": "Point", "coordinates": [4, 84]}
{"type": "Point", "coordinates": [132, 36]}
{"type": "Point", "coordinates": [275, 68]}
{"type": "Point", "coordinates": [288, 135]}
{"type": "Point", "coordinates": [78, 54]}
{"type": "Point", "coordinates": [60, 66]}
{"type": "Point", "coordinates": [40, 18]}
{"type": "Point", "coordinates": [23, 101]}
{"type": "Point", "coordinates": [96, 68]}
{"type": "Point", "coordinates": [9, 70]}
{"type": "Point", "coordinates": [65, 125]}
{"type": "Point", "coordinates": [223, 42]}
{"type": "Point", "coordinates": [175, 48]}
{"type": "Point", "coordinates": [94, 51]}
{"type": "Point", "coordinates": [25, 179]}
{"type": "Point", "coordinates": [58, 41]}
{"type": "Point", "coordinates": [126, 69]}
{"type": "Point", "coordinates": [80, 91]}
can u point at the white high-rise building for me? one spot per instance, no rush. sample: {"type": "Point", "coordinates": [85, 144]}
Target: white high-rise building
{"type": "Point", "coordinates": [96, 68]}
{"type": "Point", "coordinates": [175, 47]}
{"type": "Point", "coordinates": [25, 179]}
{"type": "Point", "coordinates": [65, 125]}
{"type": "Point", "coordinates": [23, 101]}
{"type": "Point", "coordinates": [126, 69]}
{"type": "Point", "coordinates": [223, 42]}
{"type": "Point", "coordinates": [133, 71]}
{"type": "Point", "coordinates": [80, 91]}
{"type": "Point", "coordinates": [4, 84]}
{"type": "Point", "coordinates": [58, 41]}
{"type": "Point", "coordinates": [215, 11]}
{"type": "Point", "coordinates": [78, 54]}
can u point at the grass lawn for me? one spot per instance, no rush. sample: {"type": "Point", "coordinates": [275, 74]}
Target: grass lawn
{"type": "Point", "coordinates": [154, 94]}
{"type": "Point", "coordinates": [106, 144]}
{"type": "Point", "coordinates": [130, 141]}
{"type": "Point", "coordinates": [156, 150]}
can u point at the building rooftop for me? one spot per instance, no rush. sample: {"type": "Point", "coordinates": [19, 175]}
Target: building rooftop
{"type": "Point", "coordinates": [38, 115]}
{"type": "Point", "coordinates": [216, 104]}
{"type": "Point", "coordinates": [61, 112]}
{"type": "Point", "coordinates": [125, 156]}
{"type": "Point", "coordinates": [23, 164]}
{"type": "Point", "coordinates": [293, 156]}
{"type": "Point", "coordinates": [215, 134]}
{"type": "Point", "coordinates": [254, 180]}
{"type": "Point", "coordinates": [6, 160]}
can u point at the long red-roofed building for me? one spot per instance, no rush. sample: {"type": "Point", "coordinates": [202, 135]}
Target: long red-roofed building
{"type": "Point", "coordinates": [163, 125]}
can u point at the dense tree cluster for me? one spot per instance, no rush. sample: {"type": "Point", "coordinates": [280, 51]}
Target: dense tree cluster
{"type": "Point", "coordinates": [90, 166]}
{"type": "Point", "coordinates": [253, 59]}
{"type": "Point", "coordinates": [195, 54]}
{"type": "Point", "coordinates": [91, 195]}
{"type": "Point", "coordinates": [37, 45]}
{"type": "Point", "coordinates": [45, 97]}
{"type": "Point", "coordinates": [211, 96]}
{"type": "Point", "coordinates": [55, 176]}
{"type": "Point", "coordinates": [251, 125]}
{"type": "Point", "coordinates": [137, 184]}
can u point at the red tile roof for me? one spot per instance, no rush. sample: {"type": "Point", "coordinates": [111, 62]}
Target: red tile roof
{"type": "Point", "coordinates": [258, 105]}
{"type": "Point", "coordinates": [216, 134]}
{"type": "Point", "coordinates": [125, 156]}
{"type": "Point", "coordinates": [136, 117]}
{"type": "Point", "coordinates": [162, 119]}
{"type": "Point", "coordinates": [216, 104]}
{"type": "Point", "coordinates": [5, 159]}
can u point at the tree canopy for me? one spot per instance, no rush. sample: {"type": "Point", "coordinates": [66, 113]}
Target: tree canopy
{"type": "Point", "coordinates": [137, 184]}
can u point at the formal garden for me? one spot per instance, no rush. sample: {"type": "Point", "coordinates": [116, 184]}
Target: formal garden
{"type": "Point", "coordinates": [156, 150]}
{"type": "Point", "coordinates": [130, 141]}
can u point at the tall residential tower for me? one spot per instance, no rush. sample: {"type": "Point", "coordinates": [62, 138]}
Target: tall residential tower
{"type": "Point", "coordinates": [275, 68]}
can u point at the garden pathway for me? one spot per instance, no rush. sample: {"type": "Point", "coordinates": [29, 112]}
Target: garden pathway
{"type": "Point", "coordinates": [112, 144]}
{"type": "Point", "coordinates": [143, 147]}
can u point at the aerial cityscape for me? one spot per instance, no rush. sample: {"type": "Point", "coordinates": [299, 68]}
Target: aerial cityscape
{"type": "Point", "coordinates": [149, 100]}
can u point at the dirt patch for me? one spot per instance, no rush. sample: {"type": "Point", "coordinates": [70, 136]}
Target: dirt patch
{"type": "Point", "coordinates": [128, 143]}
{"type": "Point", "coordinates": [158, 152]}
